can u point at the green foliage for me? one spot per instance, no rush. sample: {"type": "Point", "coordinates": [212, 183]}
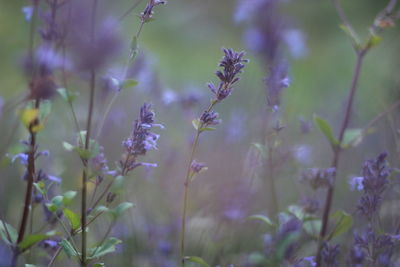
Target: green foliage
{"type": "Point", "coordinates": [197, 260]}
{"type": "Point", "coordinates": [33, 239]}
{"type": "Point", "coordinates": [8, 233]}
{"type": "Point", "coordinates": [119, 210]}
{"type": "Point", "coordinates": [326, 129]}
{"type": "Point", "coordinates": [67, 95]}
{"type": "Point", "coordinates": [107, 247]}
{"type": "Point", "coordinates": [73, 218]}
{"type": "Point", "coordinates": [262, 218]}
{"type": "Point", "coordinates": [68, 248]}
{"type": "Point", "coordinates": [344, 222]}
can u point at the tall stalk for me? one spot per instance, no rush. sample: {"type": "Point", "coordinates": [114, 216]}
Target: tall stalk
{"type": "Point", "coordinates": [92, 87]}
{"type": "Point", "coordinates": [360, 50]}
{"type": "Point", "coordinates": [32, 147]}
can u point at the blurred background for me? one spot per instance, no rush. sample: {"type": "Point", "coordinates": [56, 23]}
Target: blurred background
{"type": "Point", "coordinates": [178, 55]}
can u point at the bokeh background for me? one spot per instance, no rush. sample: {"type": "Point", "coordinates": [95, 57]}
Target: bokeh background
{"type": "Point", "coordinates": [179, 52]}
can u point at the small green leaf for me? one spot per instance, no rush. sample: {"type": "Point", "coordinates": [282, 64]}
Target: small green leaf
{"type": "Point", "coordinates": [67, 95]}
{"type": "Point", "coordinates": [344, 221]}
{"type": "Point", "coordinates": [129, 83]}
{"type": "Point", "coordinates": [31, 240]}
{"type": "Point", "coordinates": [352, 137]}
{"type": "Point", "coordinates": [120, 209]}
{"type": "Point", "coordinates": [263, 218]}
{"type": "Point", "coordinates": [205, 129]}
{"type": "Point", "coordinates": [55, 203]}
{"type": "Point", "coordinates": [99, 265]}
{"type": "Point", "coordinates": [8, 232]}
{"type": "Point", "coordinates": [68, 197]}
{"type": "Point", "coordinates": [312, 227]}
{"type": "Point", "coordinates": [196, 124]}
{"type": "Point", "coordinates": [68, 146]}
{"type": "Point", "coordinates": [30, 265]}
{"type": "Point", "coordinates": [118, 184]}
{"type": "Point", "coordinates": [326, 129]}
{"type": "Point", "coordinates": [101, 209]}
{"type": "Point", "coordinates": [198, 260]}
{"type": "Point", "coordinates": [68, 248]}
{"type": "Point", "coordinates": [41, 187]}
{"type": "Point", "coordinates": [73, 218]}
{"type": "Point", "coordinates": [107, 247]}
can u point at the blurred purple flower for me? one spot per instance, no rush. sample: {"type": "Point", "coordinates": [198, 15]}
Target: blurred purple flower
{"type": "Point", "coordinates": [148, 12]}
{"type": "Point", "coordinates": [295, 41]}
{"type": "Point", "coordinates": [28, 12]}
{"type": "Point", "coordinates": [330, 254]}
{"type": "Point", "coordinates": [356, 183]}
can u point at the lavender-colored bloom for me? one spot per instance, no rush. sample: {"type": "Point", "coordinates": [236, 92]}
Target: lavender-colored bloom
{"type": "Point", "coordinates": [210, 118]}
{"type": "Point", "coordinates": [356, 257]}
{"type": "Point", "coordinates": [99, 163]}
{"type": "Point", "coordinates": [141, 140]}
{"type": "Point", "coordinates": [232, 64]}
{"type": "Point", "coordinates": [22, 157]}
{"type": "Point", "coordinates": [197, 167]}
{"type": "Point", "coordinates": [1, 106]}
{"type": "Point", "coordinates": [310, 205]}
{"type": "Point", "coordinates": [28, 12]}
{"type": "Point", "coordinates": [148, 12]}
{"type": "Point", "coordinates": [329, 254]}
{"type": "Point", "coordinates": [295, 41]}
{"type": "Point", "coordinates": [356, 183]}
{"type": "Point", "coordinates": [374, 183]}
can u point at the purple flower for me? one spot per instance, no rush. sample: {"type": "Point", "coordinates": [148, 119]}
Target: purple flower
{"type": "Point", "coordinates": [148, 12]}
{"type": "Point", "coordinates": [210, 118]}
{"type": "Point", "coordinates": [318, 178]}
{"type": "Point", "coordinates": [141, 140]}
{"type": "Point", "coordinates": [329, 255]}
{"type": "Point", "coordinates": [232, 64]}
{"type": "Point", "coordinates": [197, 167]}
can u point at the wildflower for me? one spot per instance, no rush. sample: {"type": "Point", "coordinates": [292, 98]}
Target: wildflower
{"type": "Point", "coordinates": [148, 12]}
{"type": "Point", "coordinates": [374, 181]}
{"type": "Point", "coordinates": [141, 140]}
{"type": "Point", "coordinates": [232, 64]}
{"type": "Point", "coordinates": [210, 118]}
{"type": "Point", "coordinates": [198, 167]}
{"type": "Point", "coordinates": [330, 254]}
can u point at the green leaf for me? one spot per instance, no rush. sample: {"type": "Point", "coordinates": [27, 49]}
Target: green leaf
{"type": "Point", "coordinates": [31, 240]}
{"type": "Point", "coordinates": [41, 187]}
{"type": "Point", "coordinates": [129, 83]}
{"type": "Point", "coordinates": [73, 218]}
{"type": "Point", "coordinates": [118, 184]}
{"type": "Point", "coordinates": [101, 209]}
{"type": "Point", "coordinates": [107, 247]}
{"type": "Point", "coordinates": [297, 211]}
{"type": "Point", "coordinates": [120, 209]}
{"type": "Point", "coordinates": [263, 218]}
{"type": "Point", "coordinates": [44, 109]}
{"type": "Point", "coordinates": [7, 230]}
{"type": "Point", "coordinates": [352, 137]}
{"type": "Point", "coordinates": [198, 260]}
{"type": "Point", "coordinates": [68, 146]}
{"type": "Point", "coordinates": [68, 248]}
{"type": "Point", "coordinates": [99, 265]}
{"type": "Point", "coordinates": [196, 124]}
{"type": "Point", "coordinates": [55, 203]}
{"type": "Point", "coordinates": [30, 265]}
{"type": "Point", "coordinates": [204, 129]}
{"type": "Point", "coordinates": [312, 227]}
{"type": "Point", "coordinates": [326, 129]}
{"type": "Point", "coordinates": [344, 221]}
{"type": "Point", "coordinates": [68, 197]}
{"type": "Point", "coordinates": [67, 95]}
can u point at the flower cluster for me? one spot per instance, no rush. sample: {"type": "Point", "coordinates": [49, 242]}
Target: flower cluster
{"type": "Point", "coordinates": [141, 140]}
{"type": "Point", "coordinates": [232, 64]}
{"type": "Point", "coordinates": [330, 254]}
{"type": "Point", "coordinates": [374, 181]}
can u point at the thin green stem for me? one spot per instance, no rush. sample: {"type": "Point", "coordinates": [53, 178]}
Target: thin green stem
{"type": "Point", "coordinates": [186, 186]}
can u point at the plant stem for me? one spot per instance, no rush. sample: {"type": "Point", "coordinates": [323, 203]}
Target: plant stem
{"type": "Point", "coordinates": [186, 185]}
{"type": "Point", "coordinates": [337, 152]}
{"type": "Point", "coordinates": [92, 86]}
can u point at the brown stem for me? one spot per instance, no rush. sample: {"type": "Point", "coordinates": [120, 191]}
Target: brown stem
{"type": "Point", "coordinates": [337, 151]}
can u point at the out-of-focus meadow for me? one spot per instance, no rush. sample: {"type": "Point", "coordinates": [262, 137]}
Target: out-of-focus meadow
{"type": "Point", "coordinates": [178, 55]}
